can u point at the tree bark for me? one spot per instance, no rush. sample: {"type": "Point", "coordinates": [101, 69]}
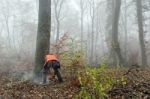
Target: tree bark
{"type": "Point", "coordinates": [43, 34]}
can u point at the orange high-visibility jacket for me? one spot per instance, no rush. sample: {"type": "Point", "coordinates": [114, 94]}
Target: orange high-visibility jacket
{"type": "Point", "coordinates": [50, 58]}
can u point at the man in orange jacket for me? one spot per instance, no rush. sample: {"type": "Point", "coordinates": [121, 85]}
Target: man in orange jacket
{"type": "Point", "coordinates": [51, 61]}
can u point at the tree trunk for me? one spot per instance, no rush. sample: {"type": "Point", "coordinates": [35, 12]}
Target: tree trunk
{"type": "Point", "coordinates": [43, 34]}
{"type": "Point", "coordinates": [92, 16]}
{"type": "Point", "coordinates": [58, 4]}
{"type": "Point", "coordinates": [110, 9]}
{"type": "Point", "coordinates": [96, 36]}
{"type": "Point", "coordinates": [126, 31]}
{"type": "Point", "coordinates": [57, 37]}
{"type": "Point", "coordinates": [82, 13]}
{"type": "Point", "coordinates": [141, 33]}
{"type": "Point", "coordinates": [92, 43]}
{"type": "Point", "coordinates": [115, 42]}
{"type": "Point", "coordinates": [8, 30]}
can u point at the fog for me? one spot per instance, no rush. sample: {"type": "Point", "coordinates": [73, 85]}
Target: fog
{"type": "Point", "coordinates": [88, 25]}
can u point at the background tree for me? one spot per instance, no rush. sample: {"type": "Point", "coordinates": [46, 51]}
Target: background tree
{"type": "Point", "coordinates": [82, 12]}
{"type": "Point", "coordinates": [92, 19]}
{"type": "Point", "coordinates": [124, 19]}
{"type": "Point", "coordinates": [115, 46]}
{"type": "Point", "coordinates": [141, 32]}
{"type": "Point", "coordinates": [43, 34]}
{"type": "Point", "coordinates": [58, 4]}
{"type": "Point", "coordinates": [108, 28]}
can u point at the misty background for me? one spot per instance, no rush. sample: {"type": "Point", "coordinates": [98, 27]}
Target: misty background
{"type": "Point", "coordinates": [87, 24]}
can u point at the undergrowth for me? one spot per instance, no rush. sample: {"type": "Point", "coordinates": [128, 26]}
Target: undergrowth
{"type": "Point", "coordinates": [95, 83]}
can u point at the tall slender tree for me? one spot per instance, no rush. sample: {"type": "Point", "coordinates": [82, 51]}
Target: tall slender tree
{"type": "Point", "coordinates": [108, 28]}
{"type": "Point", "coordinates": [58, 4]}
{"type": "Point", "coordinates": [43, 34]}
{"type": "Point", "coordinates": [92, 18]}
{"type": "Point", "coordinates": [115, 22]}
{"type": "Point", "coordinates": [126, 30]}
{"type": "Point", "coordinates": [82, 12]}
{"type": "Point", "coordinates": [115, 56]}
{"type": "Point", "coordinates": [141, 31]}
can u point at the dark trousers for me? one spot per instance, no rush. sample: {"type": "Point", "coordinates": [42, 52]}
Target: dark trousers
{"type": "Point", "coordinates": [51, 64]}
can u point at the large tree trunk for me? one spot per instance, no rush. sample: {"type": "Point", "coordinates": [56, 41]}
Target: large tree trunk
{"type": "Point", "coordinates": [43, 34]}
{"type": "Point", "coordinates": [141, 33]}
{"type": "Point", "coordinates": [115, 42]}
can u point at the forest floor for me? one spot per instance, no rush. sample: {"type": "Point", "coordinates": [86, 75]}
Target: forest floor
{"type": "Point", "coordinates": [138, 85]}
{"type": "Point", "coordinates": [12, 88]}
